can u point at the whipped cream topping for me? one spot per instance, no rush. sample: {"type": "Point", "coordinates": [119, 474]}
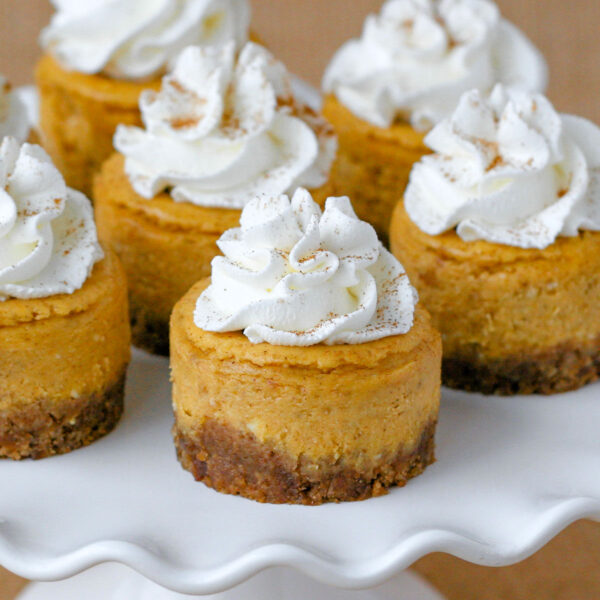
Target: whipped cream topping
{"type": "Point", "coordinates": [48, 242]}
{"type": "Point", "coordinates": [416, 58]}
{"type": "Point", "coordinates": [510, 170]}
{"type": "Point", "coordinates": [14, 115]}
{"type": "Point", "coordinates": [138, 39]}
{"type": "Point", "coordinates": [221, 132]}
{"type": "Point", "coordinates": [293, 275]}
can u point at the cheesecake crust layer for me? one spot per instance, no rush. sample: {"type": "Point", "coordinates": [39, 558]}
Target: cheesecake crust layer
{"type": "Point", "coordinates": [235, 462]}
{"type": "Point", "coordinates": [46, 428]}
{"type": "Point", "coordinates": [373, 164]}
{"type": "Point", "coordinates": [563, 369]}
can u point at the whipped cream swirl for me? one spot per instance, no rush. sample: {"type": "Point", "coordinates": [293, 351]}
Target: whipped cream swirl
{"type": "Point", "coordinates": [221, 132]}
{"type": "Point", "coordinates": [416, 58]}
{"type": "Point", "coordinates": [510, 170]}
{"type": "Point", "coordinates": [48, 242]}
{"type": "Point", "coordinates": [138, 39]}
{"type": "Point", "coordinates": [293, 275]}
{"type": "Point", "coordinates": [14, 115]}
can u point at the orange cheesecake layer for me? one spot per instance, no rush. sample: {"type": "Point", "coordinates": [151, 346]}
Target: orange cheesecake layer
{"type": "Point", "coordinates": [63, 361]}
{"type": "Point", "coordinates": [373, 164]}
{"type": "Point", "coordinates": [322, 411]}
{"type": "Point", "coordinates": [165, 247]}
{"type": "Point", "coordinates": [513, 320]}
{"type": "Point", "coordinates": [79, 115]}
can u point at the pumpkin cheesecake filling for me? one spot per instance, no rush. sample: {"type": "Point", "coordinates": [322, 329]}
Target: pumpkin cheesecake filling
{"type": "Point", "coordinates": [340, 410]}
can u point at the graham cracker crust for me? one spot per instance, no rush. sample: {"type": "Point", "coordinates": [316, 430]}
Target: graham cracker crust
{"type": "Point", "coordinates": [149, 332]}
{"type": "Point", "coordinates": [565, 368]}
{"type": "Point", "coordinates": [38, 431]}
{"type": "Point", "coordinates": [233, 462]}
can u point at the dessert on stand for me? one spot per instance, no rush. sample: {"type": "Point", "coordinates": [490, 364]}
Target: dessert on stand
{"type": "Point", "coordinates": [304, 370]}
{"type": "Point", "coordinates": [121, 520]}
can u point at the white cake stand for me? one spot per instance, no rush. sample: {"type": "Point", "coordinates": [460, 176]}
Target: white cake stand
{"type": "Point", "coordinates": [511, 474]}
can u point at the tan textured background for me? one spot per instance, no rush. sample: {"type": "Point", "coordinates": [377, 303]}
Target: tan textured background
{"type": "Point", "coordinates": [305, 33]}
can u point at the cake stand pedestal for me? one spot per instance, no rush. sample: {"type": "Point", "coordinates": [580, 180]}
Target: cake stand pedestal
{"type": "Point", "coordinates": [511, 474]}
{"type": "Point", "coordinates": [115, 582]}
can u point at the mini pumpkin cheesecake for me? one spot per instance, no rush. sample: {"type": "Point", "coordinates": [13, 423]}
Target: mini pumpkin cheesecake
{"type": "Point", "coordinates": [64, 331]}
{"type": "Point", "coordinates": [407, 72]}
{"type": "Point", "coordinates": [99, 60]}
{"type": "Point", "coordinates": [222, 129]}
{"type": "Point", "coordinates": [304, 371]}
{"type": "Point", "coordinates": [499, 231]}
